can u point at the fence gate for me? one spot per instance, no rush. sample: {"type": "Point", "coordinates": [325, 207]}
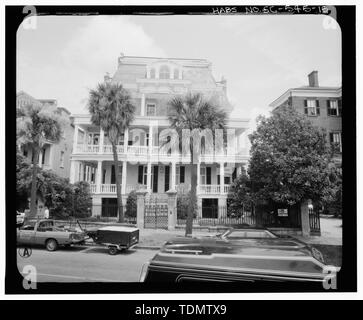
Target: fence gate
{"type": "Point", "coordinates": [156, 213]}
{"type": "Point", "coordinates": [314, 221]}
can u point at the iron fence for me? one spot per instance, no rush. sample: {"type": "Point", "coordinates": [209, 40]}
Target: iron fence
{"type": "Point", "coordinates": [217, 215]}
{"type": "Point", "coordinates": [314, 221]}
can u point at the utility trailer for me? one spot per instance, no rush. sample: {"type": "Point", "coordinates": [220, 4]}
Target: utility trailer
{"type": "Point", "coordinates": [116, 238]}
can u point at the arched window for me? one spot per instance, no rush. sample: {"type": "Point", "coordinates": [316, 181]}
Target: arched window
{"type": "Point", "coordinates": [164, 72]}
{"type": "Point", "coordinates": [176, 73]}
{"type": "Point", "coordinates": [152, 73]}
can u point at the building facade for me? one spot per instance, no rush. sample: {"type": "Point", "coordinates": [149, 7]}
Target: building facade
{"type": "Point", "coordinates": [54, 156]}
{"type": "Point", "coordinates": [144, 162]}
{"type": "Point", "coordinates": [323, 107]}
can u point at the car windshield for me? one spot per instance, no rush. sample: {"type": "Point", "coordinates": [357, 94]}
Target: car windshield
{"type": "Point", "coordinates": [29, 226]}
{"type": "Point", "coordinates": [241, 234]}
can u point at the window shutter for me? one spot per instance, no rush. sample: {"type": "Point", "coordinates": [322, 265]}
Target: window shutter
{"type": "Point", "coordinates": [182, 174]}
{"type": "Point", "coordinates": [218, 179]}
{"type": "Point", "coordinates": [331, 137]}
{"type": "Point", "coordinates": [209, 175]}
{"type": "Point", "coordinates": [329, 107]}
{"type": "Point", "coordinates": [340, 106]}
{"type": "Point", "coordinates": [317, 107]}
{"type": "Point", "coordinates": [140, 174]}
{"type": "Point", "coordinates": [167, 178]}
{"type": "Point", "coordinates": [306, 106]}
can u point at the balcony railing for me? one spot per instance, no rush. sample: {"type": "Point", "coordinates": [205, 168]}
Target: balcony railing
{"type": "Point", "coordinates": [154, 150]}
{"type": "Point", "coordinates": [201, 189]}
{"type": "Point", "coordinates": [212, 189]}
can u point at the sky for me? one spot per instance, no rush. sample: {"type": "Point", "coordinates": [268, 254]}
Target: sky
{"type": "Point", "coordinates": [259, 56]}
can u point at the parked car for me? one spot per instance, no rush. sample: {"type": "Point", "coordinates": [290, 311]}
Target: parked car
{"type": "Point", "coordinates": [19, 218]}
{"type": "Point", "coordinates": [44, 232]}
{"type": "Point", "coordinates": [251, 261]}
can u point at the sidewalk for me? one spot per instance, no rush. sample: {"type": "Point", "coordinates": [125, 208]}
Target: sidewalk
{"type": "Point", "coordinates": [331, 233]}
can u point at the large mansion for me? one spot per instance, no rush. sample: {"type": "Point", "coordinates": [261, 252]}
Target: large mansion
{"type": "Point", "coordinates": [152, 82]}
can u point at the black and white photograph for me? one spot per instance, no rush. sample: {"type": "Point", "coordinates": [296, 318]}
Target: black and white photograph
{"type": "Point", "coordinates": [181, 149]}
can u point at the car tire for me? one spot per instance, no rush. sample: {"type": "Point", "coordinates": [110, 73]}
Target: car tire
{"type": "Point", "coordinates": [112, 250]}
{"type": "Point", "coordinates": [51, 245]}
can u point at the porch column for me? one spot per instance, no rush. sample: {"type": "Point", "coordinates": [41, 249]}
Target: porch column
{"type": "Point", "coordinates": [143, 104]}
{"type": "Point", "coordinates": [126, 140]}
{"type": "Point", "coordinates": [124, 173]}
{"type": "Point", "coordinates": [99, 176]}
{"type": "Point", "coordinates": [102, 136]}
{"type": "Point", "coordinates": [221, 176]}
{"type": "Point", "coordinates": [40, 158]}
{"type": "Point", "coordinates": [173, 176]}
{"type": "Point", "coordinates": [72, 173]}
{"type": "Point", "coordinates": [198, 177]}
{"type": "Point", "coordinates": [148, 180]}
{"type": "Point", "coordinates": [75, 138]}
{"type": "Point", "coordinates": [150, 139]}
{"type": "Point", "coordinates": [239, 170]}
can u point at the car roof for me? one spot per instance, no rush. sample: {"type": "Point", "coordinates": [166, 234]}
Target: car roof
{"type": "Point", "coordinates": [256, 255]}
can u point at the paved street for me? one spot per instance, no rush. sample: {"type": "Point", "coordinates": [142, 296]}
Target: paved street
{"type": "Point", "coordinates": [92, 264]}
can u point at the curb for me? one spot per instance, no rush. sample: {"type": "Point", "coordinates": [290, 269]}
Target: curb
{"type": "Point", "coordinates": [147, 247]}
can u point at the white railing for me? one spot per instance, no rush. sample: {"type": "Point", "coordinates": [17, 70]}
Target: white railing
{"type": "Point", "coordinates": [93, 188]}
{"type": "Point", "coordinates": [158, 151]}
{"type": "Point", "coordinates": [226, 188]}
{"type": "Point", "coordinates": [209, 189]}
{"type": "Point", "coordinates": [137, 150]}
{"type": "Point", "coordinates": [108, 188]}
{"type": "Point", "coordinates": [107, 148]}
{"type": "Point", "coordinates": [87, 148]}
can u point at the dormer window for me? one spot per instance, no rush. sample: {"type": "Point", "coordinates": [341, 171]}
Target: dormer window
{"type": "Point", "coordinates": [164, 72]}
{"type": "Point", "coordinates": [152, 73]}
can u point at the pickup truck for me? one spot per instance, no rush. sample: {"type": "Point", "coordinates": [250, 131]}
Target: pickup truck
{"type": "Point", "coordinates": [44, 232]}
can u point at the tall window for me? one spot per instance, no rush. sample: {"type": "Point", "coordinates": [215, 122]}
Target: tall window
{"type": "Point", "coordinates": [152, 73]}
{"type": "Point", "coordinates": [312, 107]}
{"type": "Point", "coordinates": [176, 74]}
{"type": "Point", "coordinates": [333, 108]}
{"type": "Point", "coordinates": [203, 175]}
{"type": "Point", "coordinates": [164, 72]}
{"type": "Point", "coordinates": [180, 174]}
{"type": "Point", "coordinates": [61, 159]}
{"type": "Point", "coordinates": [336, 141]}
{"type": "Point", "coordinates": [151, 109]}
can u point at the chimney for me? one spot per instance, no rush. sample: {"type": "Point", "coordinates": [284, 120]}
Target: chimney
{"type": "Point", "coordinates": [313, 79]}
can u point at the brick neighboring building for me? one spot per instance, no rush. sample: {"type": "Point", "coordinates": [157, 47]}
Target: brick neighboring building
{"type": "Point", "coordinates": [54, 156]}
{"type": "Point", "coordinates": [322, 105]}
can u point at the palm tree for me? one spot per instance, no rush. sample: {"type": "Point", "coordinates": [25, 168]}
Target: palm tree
{"type": "Point", "coordinates": [36, 125]}
{"type": "Point", "coordinates": [193, 111]}
{"type": "Point", "coordinates": [111, 108]}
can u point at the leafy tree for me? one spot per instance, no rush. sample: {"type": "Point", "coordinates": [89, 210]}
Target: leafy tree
{"type": "Point", "coordinates": [290, 160]}
{"type": "Point", "coordinates": [82, 200]}
{"type": "Point", "coordinates": [131, 204]}
{"type": "Point", "coordinates": [111, 108]}
{"type": "Point", "coordinates": [37, 124]}
{"type": "Point", "coordinates": [62, 198]}
{"type": "Point", "coordinates": [193, 111]}
{"type": "Point", "coordinates": [240, 196]}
